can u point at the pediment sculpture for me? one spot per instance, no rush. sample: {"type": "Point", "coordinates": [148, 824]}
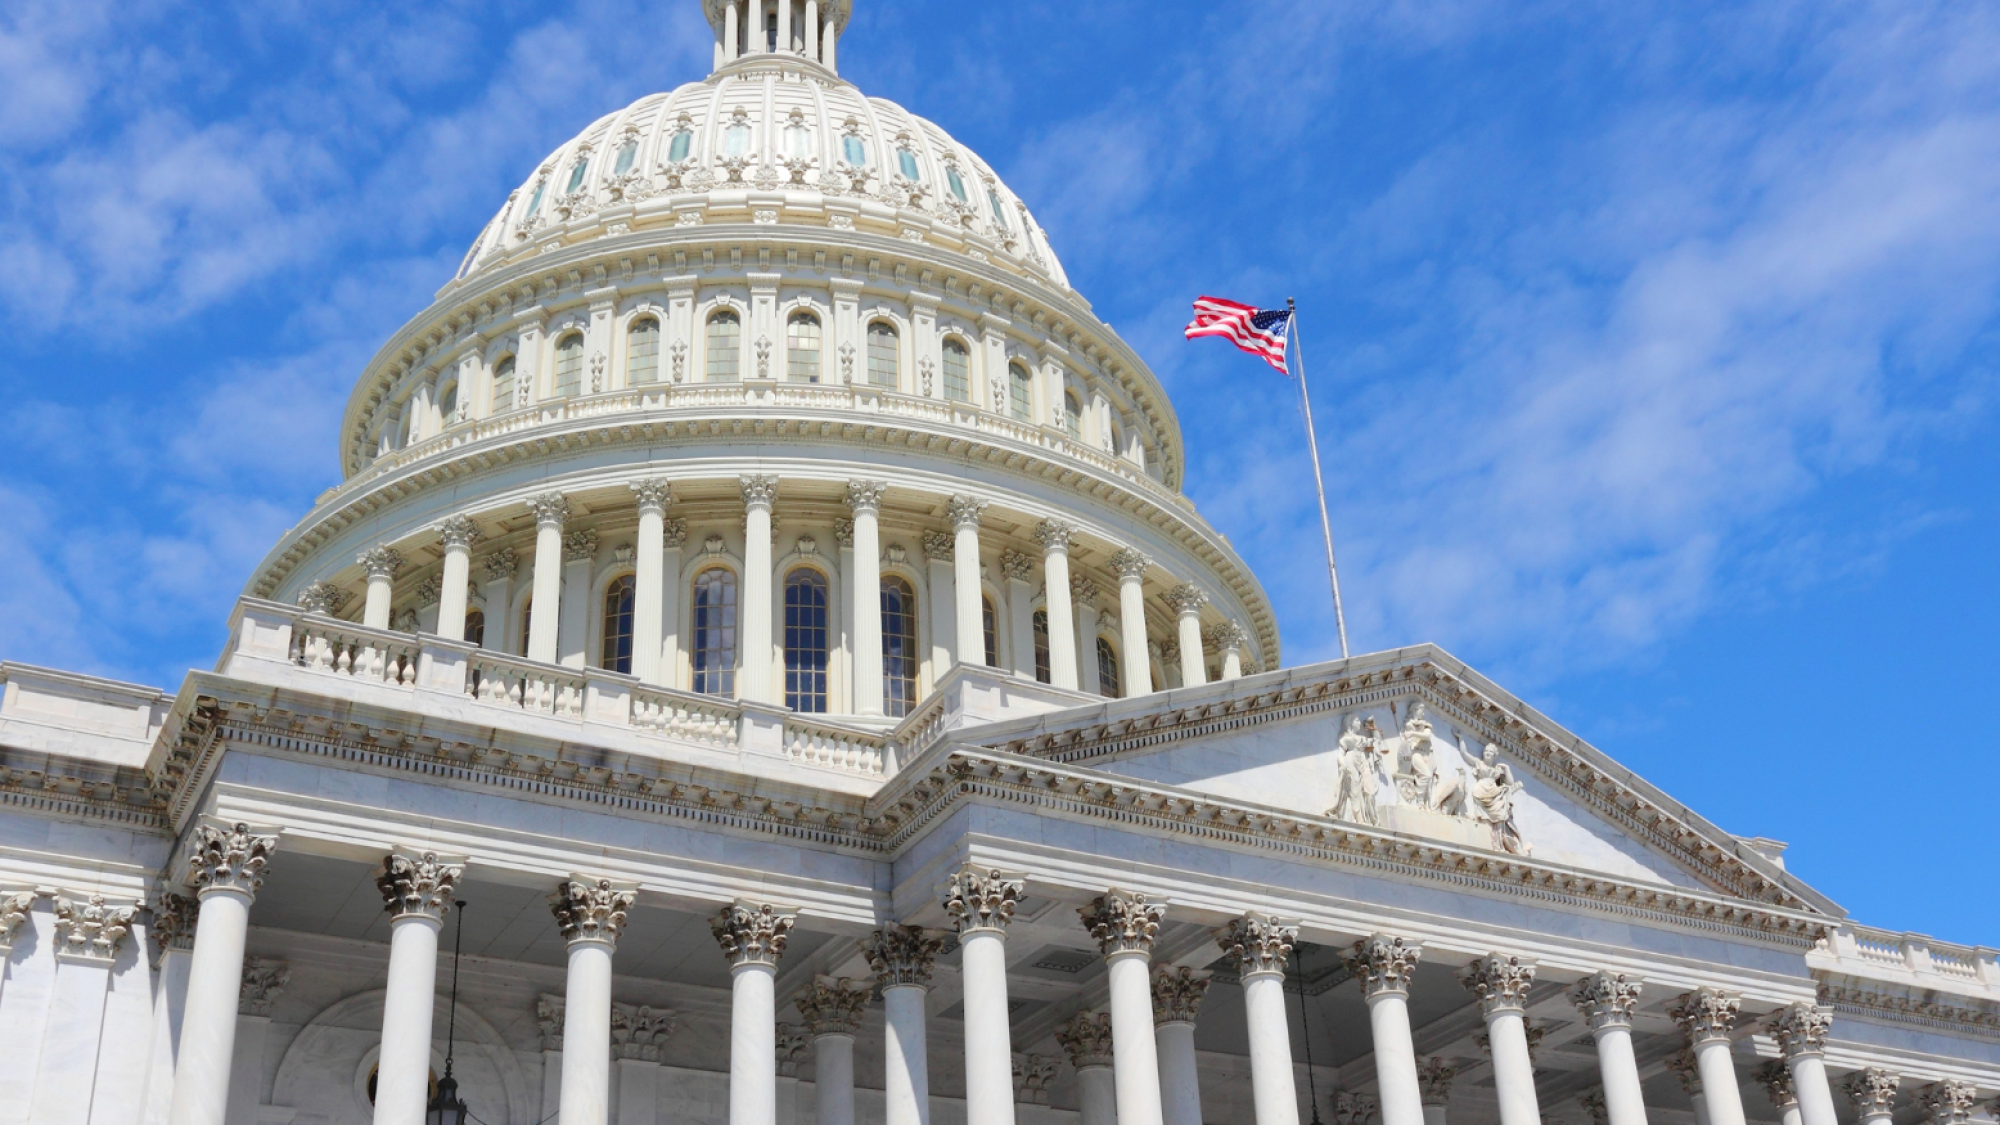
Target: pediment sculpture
{"type": "Point", "coordinates": [1380, 773]}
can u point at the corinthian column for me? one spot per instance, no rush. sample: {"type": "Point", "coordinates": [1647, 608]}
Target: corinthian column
{"type": "Point", "coordinates": [381, 565]}
{"type": "Point", "coordinates": [752, 937]}
{"type": "Point", "coordinates": [226, 868]}
{"type": "Point", "coordinates": [1873, 1092]}
{"type": "Point", "coordinates": [902, 957]}
{"type": "Point", "coordinates": [1501, 983]}
{"type": "Point", "coordinates": [1434, 1079]}
{"type": "Point", "coordinates": [1801, 1031]}
{"type": "Point", "coordinates": [1682, 1063]}
{"type": "Point", "coordinates": [832, 1012]}
{"type": "Point", "coordinates": [1607, 1001]}
{"type": "Point", "coordinates": [1260, 943]}
{"type": "Point", "coordinates": [1134, 668]}
{"type": "Point", "coordinates": [1707, 1015]}
{"type": "Point", "coordinates": [981, 904]}
{"type": "Point", "coordinates": [459, 533]}
{"type": "Point", "coordinates": [1948, 1102]}
{"type": "Point", "coordinates": [649, 580]}
{"type": "Point", "coordinates": [1177, 995]}
{"type": "Point", "coordinates": [590, 913]}
{"type": "Point", "coordinates": [1055, 536]}
{"type": "Point", "coordinates": [1777, 1083]}
{"type": "Point", "coordinates": [1186, 601]}
{"type": "Point", "coordinates": [1230, 640]}
{"type": "Point", "coordinates": [1086, 1038]}
{"type": "Point", "coordinates": [964, 512]}
{"type": "Point", "coordinates": [1125, 924]}
{"type": "Point", "coordinates": [864, 499]}
{"type": "Point", "coordinates": [416, 891]}
{"type": "Point", "coordinates": [544, 613]}
{"type": "Point", "coordinates": [1383, 965]}
{"type": "Point", "coordinates": [755, 611]}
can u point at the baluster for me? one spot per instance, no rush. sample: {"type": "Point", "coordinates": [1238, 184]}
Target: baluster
{"type": "Point", "coordinates": [343, 661]}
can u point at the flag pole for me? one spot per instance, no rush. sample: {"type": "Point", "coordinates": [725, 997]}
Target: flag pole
{"type": "Point", "coordinates": [1312, 444]}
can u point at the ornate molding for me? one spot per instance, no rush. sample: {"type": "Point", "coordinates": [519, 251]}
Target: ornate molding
{"type": "Point", "coordinates": [1122, 921]}
{"type": "Point", "coordinates": [1261, 944]}
{"type": "Point", "coordinates": [459, 532]}
{"type": "Point", "coordinates": [1501, 983]}
{"type": "Point", "coordinates": [673, 533]}
{"type": "Point", "coordinates": [15, 906]}
{"type": "Point", "coordinates": [172, 927]}
{"type": "Point", "coordinates": [652, 495]}
{"type": "Point", "coordinates": [502, 565]}
{"type": "Point", "coordinates": [590, 909]}
{"type": "Point", "coordinates": [417, 886]}
{"type": "Point", "coordinates": [865, 495]}
{"type": "Point", "coordinates": [1082, 589]}
{"type": "Point", "coordinates": [1801, 1029]}
{"type": "Point", "coordinates": [1688, 1069]}
{"type": "Point", "coordinates": [264, 979]}
{"type": "Point", "coordinates": [902, 956]}
{"type": "Point", "coordinates": [380, 562]}
{"type": "Point", "coordinates": [752, 933]}
{"type": "Point", "coordinates": [1606, 999]}
{"type": "Point", "coordinates": [843, 532]}
{"type": "Point", "coordinates": [551, 509]}
{"type": "Point", "coordinates": [579, 546]}
{"type": "Point", "coordinates": [1177, 994]}
{"type": "Point", "coordinates": [1706, 1014]}
{"type": "Point", "coordinates": [1872, 1092]}
{"type": "Point", "coordinates": [1947, 1103]}
{"type": "Point", "coordinates": [1185, 599]}
{"type": "Point", "coordinates": [833, 1006]}
{"type": "Point", "coordinates": [641, 1032]}
{"type": "Point", "coordinates": [549, 1013]}
{"type": "Point", "coordinates": [323, 598]}
{"type": "Point", "coordinates": [1033, 1074]}
{"type": "Point", "coordinates": [1130, 564]}
{"type": "Point", "coordinates": [939, 546]}
{"type": "Point", "coordinates": [979, 899]}
{"type": "Point", "coordinates": [1383, 965]}
{"type": "Point", "coordinates": [91, 928]}
{"type": "Point", "coordinates": [1054, 535]}
{"type": "Point", "coordinates": [1921, 1009]}
{"type": "Point", "coordinates": [1434, 1078]}
{"type": "Point", "coordinates": [964, 511]}
{"type": "Point", "coordinates": [792, 1046]}
{"type": "Point", "coordinates": [1776, 1078]}
{"type": "Point", "coordinates": [1017, 566]}
{"type": "Point", "coordinates": [227, 859]}
{"type": "Point", "coordinates": [1086, 1038]}
{"type": "Point", "coordinates": [759, 491]}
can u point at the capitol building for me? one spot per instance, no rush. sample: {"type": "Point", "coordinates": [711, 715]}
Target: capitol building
{"type": "Point", "coordinates": [759, 667]}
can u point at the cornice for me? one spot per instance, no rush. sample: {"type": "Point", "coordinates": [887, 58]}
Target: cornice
{"type": "Point", "coordinates": [1914, 1008]}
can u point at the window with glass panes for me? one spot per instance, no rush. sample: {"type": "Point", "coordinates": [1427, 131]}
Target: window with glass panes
{"type": "Point", "coordinates": [1107, 669]}
{"type": "Point", "coordinates": [1072, 415]}
{"type": "Point", "coordinates": [1041, 626]}
{"type": "Point", "coordinates": [642, 351]}
{"type": "Point", "coordinates": [883, 354]}
{"type": "Point", "coordinates": [615, 654]}
{"type": "Point", "coordinates": [725, 360]}
{"type": "Point", "coordinates": [802, 348]}
{"type": "Point", "coordinates": [957, 372]}
{"type": "Point", "coordinates": [503, 384]}
{"type": "Point", "coordinates": [899, 647]}
{"type": "Point", "coordinates": [805, 640]}
{"type": "Point", "coordinates": [569, 365]}
{"type": "Point", "coordinates": [1020, 400]}
{"type": "Point", "coordinates": [714, 650]}
{"type": "Point", "coordinates": [990, 622]}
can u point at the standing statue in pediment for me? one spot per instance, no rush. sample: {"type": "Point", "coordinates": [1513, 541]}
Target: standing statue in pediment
{"type": "Point", "coordinates": [1354, 792]}
{"type": "Point", "coordinates": [1492, 800]}
{"type": "Point", "coordinates": [1420, 782]}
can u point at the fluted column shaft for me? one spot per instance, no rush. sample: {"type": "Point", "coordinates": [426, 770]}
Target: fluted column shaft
{"type": "Point", "coordinates": [417, 891]}
{"type": "Point", "coordinates": [1607, 1001]}
{"type": "Point", "coordinates": [545, 612]}
{"type": "Point", "coordinates": [1186, 602]}
{"type": "Point", "coordinates": [1501, 983]}
{"type": "Point", "coordinates": [1133, 665]}
{"type": "Point", "coordinates": [380, 564]}
{"type": "Point", "coordinates": [1707, 1015]}
{"type": "Point", "coordinates": [1055, 537]}
{"type": "Point", "coordinates": [756, 681]}
{"type": "Point", "coordinates": [226, 868]}
{"type": "Point", "coordinates": [1383, 965]}
{"type": "Point", "coordinates": [864, 499]}
{"type": "Point", "coordinates": [649, 582]}
{"type": "Point", "coordinates": [1261, 944]}
{"type": "Point", "coordinates": [966, 586]}
{"type": "Point", "coordinates": [455, 589]}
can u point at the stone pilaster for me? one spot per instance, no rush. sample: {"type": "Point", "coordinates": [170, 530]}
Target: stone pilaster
{"type": "Point", "coordinates": [91, 927]}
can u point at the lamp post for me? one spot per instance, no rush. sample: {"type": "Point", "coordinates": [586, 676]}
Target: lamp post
{"type": "Point", "coordinates": [445, 1108]}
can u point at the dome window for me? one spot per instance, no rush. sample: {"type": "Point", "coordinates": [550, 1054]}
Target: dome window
{"type": "Point", "coordinates": [503, 384]}
{"type": "Point", "coordinates": [899, 647]}
{"type": "Point", "coordinates": [1019, 403]}
{"type": "Point", "coordinates": [802, 348]}
{"type": "Point", "coordinates": [906, 162]}
{"type": "Point", "coordinates": [569, 365]}
{"type": "Point", "coordinates": [957, 185]}
{"type": "Point", "coordinates": [1107, 669]}
{"type": "Point", "coordinates": [883, 353]}
{"type": "Point", "coordinates": [642, 351]}
{"type": "Point", "coordinates": [615, 653]}
{"type": "Point", "coordinates": [714, 652]}
{"type": "Point", "coordinates": [1072, 415]}
{"type": "Point", "coordinates": [957, 372]}
{"type": "Point", "coordinates": [999, 212]}
{"type": "Point", "coordinates": [725, 359]}
{"type": "Point", "coordinates": [853, 151]}
{"type": "Point", "coordinates": [576, 176]}
{"type": "Point", "coordinates": [806, 640]}
{"type": "Point", "coordinates": [627, 153]}
{"type": "Point", "coordinates": [677, 149]}
{"type": "Point", "coordinates": [736, 140]}
{"type": "Point", "coordinates": [798, 141]}
{"type": "Point", "coordinates": [448, 404]}
{"type": "Point", "coordinates": [535, 200]}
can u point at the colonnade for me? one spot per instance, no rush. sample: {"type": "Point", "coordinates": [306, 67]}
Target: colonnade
{"type": "Point", "coordinates": [1135, 1060]}
{"type": "Point", "coordinates": [557, 616]}
{"type": "Point", "coordinates": [743, 33]}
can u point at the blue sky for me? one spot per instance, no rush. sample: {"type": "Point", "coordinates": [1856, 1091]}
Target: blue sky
{"type": "Point", "coordinates": [1653, 343]}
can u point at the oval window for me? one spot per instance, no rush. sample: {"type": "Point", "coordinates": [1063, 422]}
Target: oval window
{"type": "Point", "coordinates": [798, 141]}
{"type": "Point", "coordinates": [576, 177]}
{"type": "Point", "coordinates": [952, 181]}
{"type": "Point", "coordinates": [736, 140]}
{"type": "Point", "coordinates": [677, 149]}
{"type": "Point", "coordinates": [907, 161]}
{"type": "Point", "coordinates": [627, 153]}
{"type": "Point", "coordinates": [853, 151]}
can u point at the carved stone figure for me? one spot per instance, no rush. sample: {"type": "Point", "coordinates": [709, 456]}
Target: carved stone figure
{"type": "Point", "coordinates": [1354, 793]}
{"type": "Point", "coordinates": [1421, 782]}
{"type": "Point", "coordinates": [1491, 796]}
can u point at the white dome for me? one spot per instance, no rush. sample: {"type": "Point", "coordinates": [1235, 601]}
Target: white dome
{"type": "Point", "coordinates": [776, 138]}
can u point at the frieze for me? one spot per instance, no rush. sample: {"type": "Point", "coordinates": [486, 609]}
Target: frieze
{"type": "Point", "coordinates": [1919, 1010]}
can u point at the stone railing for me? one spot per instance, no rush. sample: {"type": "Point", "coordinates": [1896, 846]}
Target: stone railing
{"type": "Point", "coordinates": [273, 641]}
{"type": "Point", "coordinates": [819, 401]}
{"type": "Point", "coordinates": [1861, 949]}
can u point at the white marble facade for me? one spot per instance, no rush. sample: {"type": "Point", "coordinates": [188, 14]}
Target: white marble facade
{"type": "Point", "coordinates": [587, 639]}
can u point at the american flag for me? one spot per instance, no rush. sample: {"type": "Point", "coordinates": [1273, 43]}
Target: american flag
{"type": "Point", "coordinates": [1261, 332]}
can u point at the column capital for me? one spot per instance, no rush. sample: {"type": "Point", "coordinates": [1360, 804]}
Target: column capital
{"type": "Point", "coordinates": [1086, 1038]}
{"type": "Point", "coordinates": [14, 909]}
{"type": "Point", "coordinates": [417, 885]}
{"type": "Point", "coordinates": [1122, 921]}
{"type": "Point", "coordinates": [982, 899]}
{"type": "Point", "coordinates": [1259, 942]}
{"type": "Point", "coordinates": [502, 565]}
{"type": "Point", "coordinates": [964, 511]}
{"type": "Point", "coordinates": [228, 858]}
{"type": "Point", "coordinates": [550, 508]}
{"type": "Point", "coordinates": [1501, 982]}
{"type": "Point", "coordinates": [673, 533]}
{"type": "Point", "coordinates": [1606, 999]}
{"type": "Point", "coordinates": [1383, 965]}
{"type": "Point", "coordinates": [1706, 1014]}
{"type": "Point", "coordinates": [1434, 1078]}
{"type": "Point", "coordinates": [833, 1006]}
{"type": "Point", "coordinates": [652, 495]}
{"type": "Point", "coordinates": [380, 562]}
{"type": "Point", "coordinates": [458, 531]}
{"type": "Point", "coordinates": [1177, 994]}
{"type": "Point", "coordinates": [1873, 1091]}
{"type": "Point", "coordinates": [759, 491]}
{"type": "Point", "coordinates": [1032, 1076]}
{"type": "Point", "coordinates": [1687, 1069]}
{"type": "Point", "coordinates": [939, 546]}
{"type": "Point", "coordinates": [1054, 535]}
{"type": "Point", "coordinates": [865, 495]}
{"type": "Point", "coordinates": [1801, 1029]}
{"type": "Point", "coordinates": [752, 933]}
{"type": "Point", "coordinates": [902, 956]}
{"type": "Point", "coordinates": [1128, 563]}
{"type": "Point", "coordinates": [172, 925]}
{"type": "Point", "coordinates": [1350, 1108]}
{"type": "Point", "coordinates": [1185, 598]}
{"type": "Point", "coordinates": [641, 1032]}
{"type": "Point", "coordinates": [1082, 589]}
{"type": "Point", "coordinates": [1226, 636]}
{"type": "Point", "coordinates": [1776, 1078]}
{"type": "Point", "coordinates": [264, 979]}
{"type": "Point", "coordinates": [322, 597]}
{"type": "Point", "coordinates": [1017, 566]}
{"type": "Point", "coordinates": [589, 909]}
{"type": "Point", "coordinates": [1596, 1105]}
{"type": "Point", "coordinates": [1947, 1103]}
{"type": "Point", "coordinates": [91, 928]}
{"type": "Point", "coordinates": [843, 532]}
{"type": "Point", "coordinates": [578, 546]}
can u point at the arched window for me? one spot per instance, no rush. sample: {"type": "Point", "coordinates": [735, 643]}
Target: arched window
{"type": "Point", "coordinates": [1072, 415]}
{"type": "Point", "coordinates": [1020, 401]}
{"type": "Point", "coordinates": [952, 181]}
{"type": "Point", "coordinates": [736, 140]}
{"type": "Point", "coordinates": [615, 654]}
{"type": "Point", "coordinates": [1107, 670]}
{"type": "Point", "coordinates": [677, 149]}
{"type": "Point", "coordinates": [448, 405]}
{"type": "Point", "coordinates": [1041, 625]}
{"type": "Point", "coordinates": [503, 384]}
{"type": "Point", "coordinates": [805, 640]}
{"type": "Point", "coordinates": [798, 141]}
{"type": "Point", "coordinates": [569, 365]}
{"type": "Point", "coordinates": [899, 647]}
{"type": "Point", "coordinates": [642, 351]}
{"type": "Point", "coordinates": [854, 151]}
{"type": "Point", "coordinates": [576, 172]}
{"type": "Point", "coordinates": [990, 621]}
{"type": "Point", "coordinates": [521, 635]}
{"type": "Point", "coordinates": [714, 651]}
{"type": "Point", "coordinates": [906, 163]}
{"type": "Point", "coordinates": [957, 371]}
{"type": "Point", "coordinates": [802, 348]}
{"type": "Point", "coordinates": [627, 153]}
{"type": "Point", "coordinates": [475, 628]}
{"type": "Point", "coordinates": [883, 354]}
{"type": "Point", "coordinates": [535, 200]}
{"type": "Point", "coordinates": [725, 359]}
{"type": "Point", "coordinates": [999, 212]}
